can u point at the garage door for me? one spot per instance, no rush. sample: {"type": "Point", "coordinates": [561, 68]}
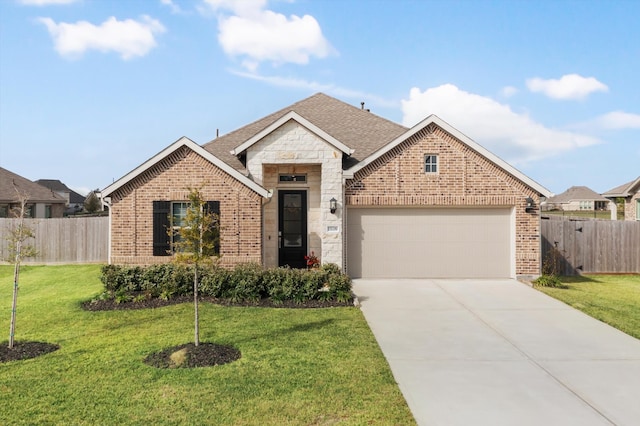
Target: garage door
{"type": "Point", "coordinates": [429, 243]}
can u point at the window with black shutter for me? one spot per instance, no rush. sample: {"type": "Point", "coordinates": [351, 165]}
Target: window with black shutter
{"type": "Point", "coordinates": [213, 207]}
{"type": "Point", "coordinates": [161, 241]}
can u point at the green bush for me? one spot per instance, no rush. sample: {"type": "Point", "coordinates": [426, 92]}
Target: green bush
{"type": "Point", "coordinates": [245, 283]}
{"type": "Point", "coordinates": [214, 281]}
{"type": "Point", "coordinates": [549, 281]}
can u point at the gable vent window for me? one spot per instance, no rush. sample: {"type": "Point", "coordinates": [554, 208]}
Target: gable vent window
{"type": "Point", "coordinates": [292, 178]}
{"type": "Point", "coordinates": [431, 163]}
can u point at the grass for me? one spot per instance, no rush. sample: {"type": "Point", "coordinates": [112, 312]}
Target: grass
{"type": "Point", "coordinates": [598, 214]}
{"type": "Point", "coordinates": [613, 299]}
{"type": "Point", "coordinates": [307, 367]}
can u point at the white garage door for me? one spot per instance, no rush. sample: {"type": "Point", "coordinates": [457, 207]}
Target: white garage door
{"type": "Point", "coordinates": [429, 243]}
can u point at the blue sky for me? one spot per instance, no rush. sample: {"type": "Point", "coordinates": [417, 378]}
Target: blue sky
{"type": "Point", "coordinates": [90, 89]}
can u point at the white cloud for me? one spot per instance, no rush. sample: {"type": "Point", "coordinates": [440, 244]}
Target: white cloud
{"type": "Point", "coordinates": [129, 38]}
{"type": "Point", "coordinates": [257, 35]}
{"type": "Point", "coordinates": [570, 86]}
{"type": "Point", "coordinates": [619, 120]}
{"type": "Point", "coordinates": [46, 2]}
{"type": "Point", "coordinates": [508, 91]}
{"type": "Point", "coordinates": [331, 89]}
{"type": "Point", "coordinates": [515, 137]}
{"type": "Point", "coordinates": [174, 7]}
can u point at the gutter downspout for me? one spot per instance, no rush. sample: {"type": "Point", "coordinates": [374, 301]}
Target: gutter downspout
{"type": "Point", "coordinates": [106, 202]}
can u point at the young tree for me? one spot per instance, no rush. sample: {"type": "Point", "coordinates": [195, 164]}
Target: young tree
{"type": "Point", "coordinates": [197, 240]}
{"type": "Point", "coordinates": [18, 249]}
{"type": "Point", "coordinates": [92, 203]}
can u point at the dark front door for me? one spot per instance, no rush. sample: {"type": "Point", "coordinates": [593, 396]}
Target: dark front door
{"type": "Point", "coordinates": [292, 228]}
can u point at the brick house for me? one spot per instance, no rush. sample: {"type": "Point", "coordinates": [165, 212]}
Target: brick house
{"type": "Point", "coordinates": [630, 192]}
{"type": "Point", "coordinates": [372, 196]}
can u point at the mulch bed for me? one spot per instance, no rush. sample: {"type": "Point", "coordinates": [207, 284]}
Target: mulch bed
{"type": "Point", "coordinates": [25, 350]}
{"type": "Point", "coordinates": [111, 305]}
{"type": "Point", "coordinates": [190, 356]}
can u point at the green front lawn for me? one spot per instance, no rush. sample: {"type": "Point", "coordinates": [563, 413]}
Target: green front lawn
{"type": "Point", "coordinates": [614, 299]}
{"type": "Point", "coordinates": [298, 366]}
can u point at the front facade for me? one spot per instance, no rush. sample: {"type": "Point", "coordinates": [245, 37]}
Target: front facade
{"type": "Point", "coordinates": [630, 193]}
{"type": "Point", "coordinates": [323, 177]}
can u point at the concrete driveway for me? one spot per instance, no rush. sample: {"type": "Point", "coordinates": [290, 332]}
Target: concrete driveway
{"type": "Point", "coordinates": [497, 352]}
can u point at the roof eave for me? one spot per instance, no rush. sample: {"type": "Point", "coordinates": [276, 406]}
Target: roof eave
{"type": "Point", "coordinates": [292, 115]}
{"type": "Point", "coordinates": [434, 119]}
{"type": "Point", "coordinates": [184, 141]}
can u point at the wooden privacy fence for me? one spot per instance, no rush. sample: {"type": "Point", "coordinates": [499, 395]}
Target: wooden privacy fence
{"type": "Point", "coordinates": [65, 240]}
{"type": "Point", "coordinates": [591, 246]}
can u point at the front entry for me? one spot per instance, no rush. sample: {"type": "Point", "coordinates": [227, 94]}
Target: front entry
{"type": "Point", "coordinates": [292, 228]}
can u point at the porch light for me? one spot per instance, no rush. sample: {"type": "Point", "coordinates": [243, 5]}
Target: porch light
{"type": "Point", "coordinates": [530, 205]}
{"type": "Point", "coordinates": [333, 205]}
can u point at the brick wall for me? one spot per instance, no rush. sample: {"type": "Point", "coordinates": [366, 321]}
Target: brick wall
{"type": "Point", "coordinates": [631, 204]}
{"type": "Point", "coordinates": [464, 179]}
{"type": "Point", "coordinates": [132, 207]}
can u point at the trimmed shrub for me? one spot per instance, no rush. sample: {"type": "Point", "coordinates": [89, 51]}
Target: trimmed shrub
{"type": "Point", "coordinates": [214, 281]}
{"type": "Point", "coordinates": [247, 282]}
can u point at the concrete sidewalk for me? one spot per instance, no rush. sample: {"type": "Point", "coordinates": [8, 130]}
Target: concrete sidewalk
{"type": "Point", "coordinates": [497, 352]}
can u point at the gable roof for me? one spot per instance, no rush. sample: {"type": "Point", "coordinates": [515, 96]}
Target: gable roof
{"type": "Point", "coordinates": [577, 193]}
{"type": "Point", "coordinates": [433, 119]}
{"type": "Point", "coordinates": [358, 129]}
{"type": "Point", "coordinates": [36, 193]}
{"type": "Point", "coordinates": [624, 190]}
{"type": "Point", "coordinates": [292, 115]}
{"type": "Point", "coordinates": [57, 186]}
{"type": "Point", "coordinates": [186, 142]}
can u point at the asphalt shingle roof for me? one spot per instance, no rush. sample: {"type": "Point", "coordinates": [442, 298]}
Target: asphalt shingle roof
{"type": "Point", "coordinates": [577, 193]}
{"type": "Point", "coordinates": [57, 186]}
{"type": "Point", "coordinates": [35, 192]}
{"type": "Point", "coordinates": [622, 190]}
{"type": "Point", "coordinates": [358, 129]}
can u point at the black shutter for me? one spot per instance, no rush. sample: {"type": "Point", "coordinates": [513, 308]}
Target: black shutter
{"type": "Point", "coordinates": [161, 243]}
{"type": "Point", "coordinates": [213, 207]}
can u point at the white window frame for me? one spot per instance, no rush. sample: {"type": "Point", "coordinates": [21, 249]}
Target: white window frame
{"type": "Point", "coordinates": [638, 209]}
{"type": "Point", "coordinates": [176, 227]}
{"type": "Point", "coordinates": [431, 164]}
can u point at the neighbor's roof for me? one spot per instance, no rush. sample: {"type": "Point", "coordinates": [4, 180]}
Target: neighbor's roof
{"type": "Point", "coordinates": [577, 193]}
{"type": "Point", "coordinates": [360, 130]}
{"type": "Point", "coordinates": [10, 181]}
{"type": "Point", "coordinates": [624, 190]}
{"type": "Point", "coordinates": [57, 186]}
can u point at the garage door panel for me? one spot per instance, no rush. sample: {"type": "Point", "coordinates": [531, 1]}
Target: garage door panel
{"type": "Point", "coordinates": [413, 243]}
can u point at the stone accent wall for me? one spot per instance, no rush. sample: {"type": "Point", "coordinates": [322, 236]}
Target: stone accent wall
{"type": "Point", "coordinates": [132, 209]}
{"type": "Point", "coordinates": [464, 179]}
{"type": "Point", "coordinates": [292, 147]}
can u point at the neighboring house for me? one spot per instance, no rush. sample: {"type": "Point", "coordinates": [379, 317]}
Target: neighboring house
{"type": "Point", "coordinates": [630, 192]}
{"type": "Point", "coordinates": [577, 198]}
{"type": "Point", "coordinates": [75, 201]}
{"type": "Point", "coordinates": [372, 196]}
{"type": "Point", "coordinates": [42, 202]}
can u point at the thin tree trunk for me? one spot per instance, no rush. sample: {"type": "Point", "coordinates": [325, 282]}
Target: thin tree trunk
{"type": "Point", "coordinates": [195, 303]}
{"type": "Point", "coordinates": [16, 277]}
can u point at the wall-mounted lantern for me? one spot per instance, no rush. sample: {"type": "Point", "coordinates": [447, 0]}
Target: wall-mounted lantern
{"type": "Point", "coordinates": [530, 207]}
{"type": "Point", "coordinates": [333, 205]}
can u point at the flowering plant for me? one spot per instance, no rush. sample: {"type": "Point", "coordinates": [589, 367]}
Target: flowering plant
{"type": "Point", "coordinates": [312, 261]}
